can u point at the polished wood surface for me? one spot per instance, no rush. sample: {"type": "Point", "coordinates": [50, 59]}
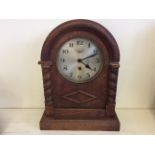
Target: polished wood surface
{"type": "Point", "coordinates": [86, 106]}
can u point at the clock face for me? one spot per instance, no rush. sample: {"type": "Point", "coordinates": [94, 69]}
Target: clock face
{"type": "Point", "coordinates": [79, 60]}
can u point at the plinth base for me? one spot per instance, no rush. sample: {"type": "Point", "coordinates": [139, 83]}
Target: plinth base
{"type": "Point", "coordinates": [106, 124]}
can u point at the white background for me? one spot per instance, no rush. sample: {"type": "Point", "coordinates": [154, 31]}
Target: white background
{"type": "Point", "coordinates": [20, 75]}
{"type": "Point", "coordinates": [58, 9]}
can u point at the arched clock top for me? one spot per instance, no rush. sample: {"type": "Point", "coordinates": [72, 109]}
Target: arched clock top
{"type": "Point", "coordinates": [81, 25]}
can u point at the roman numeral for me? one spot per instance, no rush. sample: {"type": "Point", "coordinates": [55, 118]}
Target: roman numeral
{"type": "Point", "coordinates": [71, 44]}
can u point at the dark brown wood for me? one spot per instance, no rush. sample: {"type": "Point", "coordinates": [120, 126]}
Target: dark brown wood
{"type": "Point", "coordinates": [64, 113]}
{"type": "Point", "coordinates": [86, 106]}
{"type": "Point", "coordinates": [106, 123]}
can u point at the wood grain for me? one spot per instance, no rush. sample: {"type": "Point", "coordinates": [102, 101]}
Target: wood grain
{"type": "Point", "coordinates": [94, 100]}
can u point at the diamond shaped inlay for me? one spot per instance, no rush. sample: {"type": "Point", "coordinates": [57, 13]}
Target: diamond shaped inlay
{"type": "Point", "coordinates": [79, 97]}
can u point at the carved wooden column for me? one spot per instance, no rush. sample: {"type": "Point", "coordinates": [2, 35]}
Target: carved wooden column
{"type": "Point", "coordinates": [46, 71]}
{"type": "Point", "coordinates": [112, 85]}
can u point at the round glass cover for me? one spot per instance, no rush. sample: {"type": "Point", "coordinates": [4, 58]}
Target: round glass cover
{"type": "Point", "coordinates": [79, 60]}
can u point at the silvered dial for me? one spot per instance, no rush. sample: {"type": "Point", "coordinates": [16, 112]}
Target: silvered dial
{"type": "Point", "coordinates": [79, 60]}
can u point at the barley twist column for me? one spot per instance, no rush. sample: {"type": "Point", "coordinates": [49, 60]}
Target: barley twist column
{"type": "Point", "coordinates": [46, 71]}
{"type": "Point", "coordinates": [112, 87]}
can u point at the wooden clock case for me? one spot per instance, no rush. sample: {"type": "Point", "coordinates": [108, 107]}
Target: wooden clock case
{"type": "Point", "coordinates": [80, 106]}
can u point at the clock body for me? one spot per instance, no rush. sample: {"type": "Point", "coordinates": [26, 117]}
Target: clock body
{"type": "Point", "coordinates": [80, 61]}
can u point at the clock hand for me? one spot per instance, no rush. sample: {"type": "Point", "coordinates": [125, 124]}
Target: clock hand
{"type": "Point", "coordinates": [89, 56]}
{"type": "Point", "coordinates": [86, 65]}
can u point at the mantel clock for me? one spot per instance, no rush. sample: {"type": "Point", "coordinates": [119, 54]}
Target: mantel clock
{"type": "Point", "coordinates": [80, 62]}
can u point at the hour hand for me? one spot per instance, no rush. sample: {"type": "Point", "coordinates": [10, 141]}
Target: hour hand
{"type": "Point", "coordinates": [86, 65]}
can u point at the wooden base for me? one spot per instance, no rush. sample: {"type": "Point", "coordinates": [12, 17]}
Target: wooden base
{"type": "Point", "coordinates": [106, 124]}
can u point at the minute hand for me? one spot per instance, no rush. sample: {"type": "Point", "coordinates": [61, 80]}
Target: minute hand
{"type": "Point", "coordinates": [89, 56]}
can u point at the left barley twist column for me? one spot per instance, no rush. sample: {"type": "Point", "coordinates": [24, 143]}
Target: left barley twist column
{"type": "Point", "coordinates": [46, 71]}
